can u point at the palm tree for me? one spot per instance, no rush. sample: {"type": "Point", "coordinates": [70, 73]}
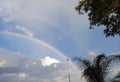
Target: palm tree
{"type": "Point", "coordinates": [116, 78]}
{"type": "Point", "coordinates": [96, 70]}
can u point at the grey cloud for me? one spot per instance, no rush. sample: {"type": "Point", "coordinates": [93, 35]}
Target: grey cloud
{"type": "Point", "coordinates": [19, 68]}
{"type": "Point", "coordinates": [4, 70]}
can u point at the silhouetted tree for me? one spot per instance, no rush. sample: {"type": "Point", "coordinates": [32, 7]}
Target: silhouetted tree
{"type": "Point", "coordinates": [102, 12]}
{"type": "Point", "coordinates": [96, 70]}
{"type": "Point", "coordinates": [116, 78]}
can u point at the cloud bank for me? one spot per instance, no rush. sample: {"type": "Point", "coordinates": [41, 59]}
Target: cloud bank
{"type": "Point", "coordinates": [15, 67]}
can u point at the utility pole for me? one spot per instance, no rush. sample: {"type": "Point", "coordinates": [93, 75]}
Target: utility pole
{"type": "Point", "coordinates": [69, 78]}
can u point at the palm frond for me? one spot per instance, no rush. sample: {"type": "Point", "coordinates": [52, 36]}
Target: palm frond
{"type": "Point", "coordinates": [92, 74]}
{"type": "Point", "coordinates": [98, 69]}
{"type": "Point", "coordinates": [98, 60]}
{"type": "Point", "coordinates": [116, 78]}
{"type": "Point", "coordinates": [118, 75]}
{"type": "Point", "coordinates": [83, 62]}
{"type": "Point", "coordinates": [114, 58]}
{"type": "Point", "coordinates": [89, 76]}
{"type": "Point", "coordinates": [107, 62]}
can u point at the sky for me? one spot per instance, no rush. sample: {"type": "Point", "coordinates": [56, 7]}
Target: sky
{"type": "Point", "coordinates": [41, 35]}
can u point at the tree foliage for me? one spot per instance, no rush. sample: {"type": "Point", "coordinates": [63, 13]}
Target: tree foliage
{"type": "Point", "coordinates": [97, 70]}
{"type": "Point", "coordinates": [102, 12]}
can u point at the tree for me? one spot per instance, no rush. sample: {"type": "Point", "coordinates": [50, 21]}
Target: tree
{"type": "Point", "coordinates": [102, 13]}
{"type": "Point", "coordinates": [116, 78]}
{"type": "Point", "coordinates": [96, 70]}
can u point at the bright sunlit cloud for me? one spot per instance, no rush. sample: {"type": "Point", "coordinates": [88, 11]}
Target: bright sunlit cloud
{"type": "Point", "coordinates": [2, 62]}
{"type": "Point", "coordinates": [92, 53]}
{"type": "Point", "coordinates": [22, 75]}
{"type": "Point", "coordinates": [47, 61]}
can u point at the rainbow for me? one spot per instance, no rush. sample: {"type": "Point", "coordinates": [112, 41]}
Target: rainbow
{"type": "Point", "coordinates": [42, 43]}
{"type": "Point", "coordinates": [35, 40]}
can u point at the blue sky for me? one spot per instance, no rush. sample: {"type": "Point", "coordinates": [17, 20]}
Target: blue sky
{"type": "Point", "coordinates": [57, 24]}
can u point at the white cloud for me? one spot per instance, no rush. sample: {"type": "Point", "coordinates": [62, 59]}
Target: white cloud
{"type": "Point", "coordinates": [92, 53]}
{"type": "Point", "coordinates": [47, 61]}
{"type": "Point", "coordinates": [2, 62]}
{"type": "Point", "coordinates": [24, 30]}
{"type": "Point", "coordinates": [22, 75]}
